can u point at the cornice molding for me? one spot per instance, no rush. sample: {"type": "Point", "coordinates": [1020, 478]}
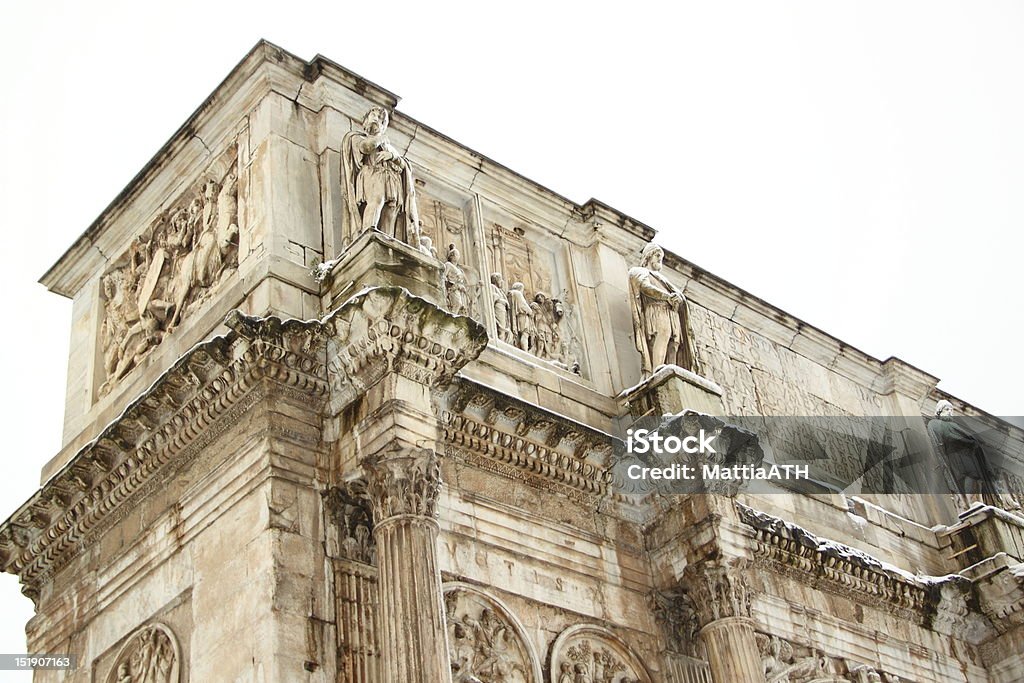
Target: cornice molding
{"type": "Point", "coordinates": [327, 362]}
{"type": "Point", "coordinates": [519, 440]}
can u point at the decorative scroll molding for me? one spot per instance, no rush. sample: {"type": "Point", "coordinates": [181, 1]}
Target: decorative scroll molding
{"type": "Point", "coordinates": [485, 640]}
{"type": "Point", "coordinates": [151, 655]}
{"type": "Point", "coordinates": [522, 441]}
{"type": "Point", "coordinates": [377, 331]}
{"type": "Point", "coordinates": [592, 653]}
{"type": "Point", "coordinates": [403, 481]}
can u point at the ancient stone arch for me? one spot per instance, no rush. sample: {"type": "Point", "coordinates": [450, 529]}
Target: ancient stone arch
{"type": "Point", "coordinates": [481, 622]}
{"type": "Point", "coordinates": [592, 653]}
{"type": "Point", "coordinates": [150, 655]}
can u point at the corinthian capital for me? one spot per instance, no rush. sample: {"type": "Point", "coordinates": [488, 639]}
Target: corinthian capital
{"type": "Point", "coordinates": [718, 591]}
{"type": "Point", "coordinates": [403, 481]}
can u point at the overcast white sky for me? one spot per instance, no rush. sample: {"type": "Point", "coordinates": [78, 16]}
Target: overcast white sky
{"type": "Point", "coordinates": [859, 165]}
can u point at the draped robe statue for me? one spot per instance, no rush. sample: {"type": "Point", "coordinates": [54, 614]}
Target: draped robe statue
{"type": "Point", "coordinates": [379, 188]}
{"type": "Point", "coordinates": [661, 326]}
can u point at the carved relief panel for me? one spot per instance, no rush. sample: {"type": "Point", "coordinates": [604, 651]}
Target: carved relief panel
{"type": "Point", "coordinates": [151, 655]}
{"type": "Point", "coordinates": [170, 267]}
{"type": "Point", "coordinates": [534, 300]}
{"type": "Point", "coordinates": [486, 644]}
{"type": "Point", "coordinates": [446, 233]}
{"type": "Point", "coordinates": [592, 654]}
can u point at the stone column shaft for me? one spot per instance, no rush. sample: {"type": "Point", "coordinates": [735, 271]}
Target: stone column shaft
{"type": "Point", "coordinates": [732, 651]}
{"type": "Point", "coordinates": [413, 639]}
{"type": "Point", "coordinates": [403, 485]}
{"type": "Point", "coordinates": [721, 600]}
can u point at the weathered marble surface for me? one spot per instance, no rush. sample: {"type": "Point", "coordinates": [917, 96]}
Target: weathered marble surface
{"type": "Point", "coordinates": [396, 470]}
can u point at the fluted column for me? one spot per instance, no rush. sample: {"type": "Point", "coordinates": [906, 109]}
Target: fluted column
{"type": "Point", "coordinates": [403, 485]}
{"type": "Point", "coordinates": [722, 604]}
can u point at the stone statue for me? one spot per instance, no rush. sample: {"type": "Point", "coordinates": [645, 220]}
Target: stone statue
{"type": "Point", "coordinates": [501, 308]}
{"type": "Point", "coordinates": [427, 246]}
{"type": "Point", "coordinates": [522, 317]}
{"type": "Point", "coordinates": [661, 327]}
{"type": "Point", "coordinates": [965, 463]}
{"type": "Point", "coordinates": [379, 187]}
{"type": "Point", "coordinates": [455, 283]}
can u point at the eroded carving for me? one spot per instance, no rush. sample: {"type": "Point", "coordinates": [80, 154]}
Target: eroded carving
{"type": "Point", "coordinates": [502, 308]}
{"type": "Point", "coordinates": [403, 481]}
{"type": "Point", "coordinates": [173, 264]}
{"type": "Point", "coordinates": [676, 613]}
{"type": "Point", "coordinates": [591, 654]}
{"type": "Point", "coordinates": [717, 591]}
{"type": "Point", "coordinates": [967, 466]}
{"type": "Point", "coordinates": [149, 656]}
{"type": "Point", "coordinates": [380, 192]}
{"type": "Point", "coordinates": [782, 664]}
{"type": "Point", "coordinates": [456, 286]}
{"type": "Point", "coordinates": [661, 325]}
{"type": "Point", "coordinates": [483, 644]}
{"type": "Point", "coordinates": [349, 508]}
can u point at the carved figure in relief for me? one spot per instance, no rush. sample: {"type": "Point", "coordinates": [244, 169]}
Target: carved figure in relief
{"type": "Point", "coordinates": [219, 232]}
{"type": "Point", "coordinates": [966, 465]}
{"type": "Point", "coordinates": [426, 245]}
{"type": "Point", "coordinates": [522, 317]}
{"type": "Point", "coordinates": [544, 324]}
{"type": "Point", "coordinates": [379, 186]}
{"type": "Point", "coordinates": [501, 308]}
{"type": "Point", "coordinates": [455, 283]}
{"type": "Point", "coordinates": [661, 326]}
{"type": "Point", "coordinates": [184, 251]}
{"type": "Point", "coordinates": [148, 658]}
{"type": "Point", "coordinates": [781, 666]}
{"type": "Point", "coordinates": [565, 675]}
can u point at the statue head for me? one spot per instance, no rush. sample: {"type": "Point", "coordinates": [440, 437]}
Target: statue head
{"type": "Point", "coordinates": [944, 409]}
{"type": "Point", "coordinates": [540, 297]}
{"type": "Point", "coordinates": [652, 256]}
{"type": "Point", "coordinates": [376, 120]}
{"type": "Point", "coordinates": [518, 287]}
{"type": "Point", "coordinates": [453, 254]}
{"type": "Point", "coordinates": [497, 280]}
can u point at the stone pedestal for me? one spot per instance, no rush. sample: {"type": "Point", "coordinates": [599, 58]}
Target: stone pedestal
{"type": "Point", "coordinates": [403, 486]}
{"type": "Point", "coordinates": [373, 260]}
{"type": "Point", "coordinates": [671, 389]}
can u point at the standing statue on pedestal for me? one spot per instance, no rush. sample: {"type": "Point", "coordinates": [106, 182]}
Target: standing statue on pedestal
{"type": "Point", "coordinates": [661, 326]}
{"type": "Point", "coordinates": [379, 188]}
{"type": "Point", "coordinates": [966, 466]}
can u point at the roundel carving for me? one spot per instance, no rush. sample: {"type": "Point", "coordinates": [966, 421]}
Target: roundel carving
{"type": "Point", "coordinates": [486, 643]}
{"type": "Point", "coordinates": [588, 653]}
{"type": "Point", "coordinates": [150, 655]}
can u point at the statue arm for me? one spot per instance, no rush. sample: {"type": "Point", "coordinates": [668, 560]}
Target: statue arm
{"type": "Point", "coordinates": [647, 286]}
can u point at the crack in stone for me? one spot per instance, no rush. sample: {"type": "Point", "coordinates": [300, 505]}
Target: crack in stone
{"type": "Point", "coordinates": [203, 143]}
